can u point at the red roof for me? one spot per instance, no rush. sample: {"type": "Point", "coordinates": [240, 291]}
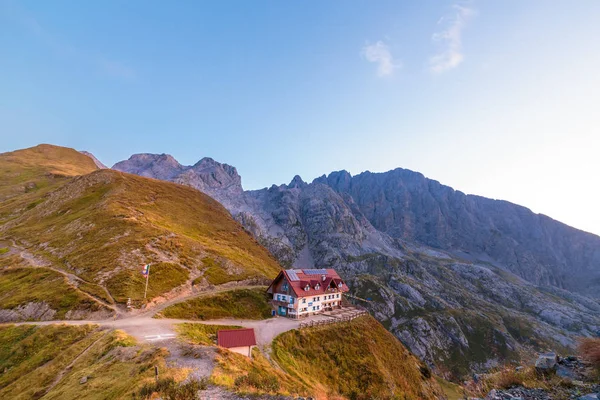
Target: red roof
{"type": "Point", "coordinates": [229, 338]}
{"type": "Point", "coordinates": [317, 280]}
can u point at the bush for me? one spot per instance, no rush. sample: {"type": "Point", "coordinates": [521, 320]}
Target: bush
{"type": "Point", "coordinates": [256, 380]}
{"type": "Point", "coordinates": [168, 389]}
{"type": "Point", "coordinates": [589, 350]}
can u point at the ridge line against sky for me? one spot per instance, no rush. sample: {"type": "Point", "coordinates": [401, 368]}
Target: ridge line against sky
{"type": "Point", "coordinates": [492, 98]}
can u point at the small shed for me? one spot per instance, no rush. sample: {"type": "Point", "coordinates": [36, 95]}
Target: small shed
{"type": "Point", "coordinates": [238, 340]}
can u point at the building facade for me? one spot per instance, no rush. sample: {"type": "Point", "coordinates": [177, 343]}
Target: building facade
{"type": "Point", "coordinates": [298, 293]}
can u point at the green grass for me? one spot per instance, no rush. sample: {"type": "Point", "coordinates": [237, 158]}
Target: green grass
{"type": "Point", "coordinates": [130, 283]}
{"type": "Point", "coordinates": [96, 291]}
{"type": "Point", "coordinates": [201, 333]}
{"type": "Point", "coordinates": [357, 359]}
{"type": "Point", "coordinates": [109, 224]}
{"type": "Point", "coordinates": [216, 274]}
{"type": "Point", "coordinates": [4, 250]}
{"type": "Point", "coordinates": [451, 390]}
{"type": "Point", "coordinates": [20, 286]}
{"type": "Point", "coordinates": [238, 303]}
{"type": "Point", "coordinates": [26, 348]}
{"type": "Point", "coordinates": [33, 358]}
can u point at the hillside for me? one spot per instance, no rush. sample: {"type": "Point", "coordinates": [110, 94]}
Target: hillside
{"type": "Point", "coordinates": [350, 360]}
{"type": "Point", "coordinates": [49, 362]}
{"type": "Point", "coordinates": [97, 228]}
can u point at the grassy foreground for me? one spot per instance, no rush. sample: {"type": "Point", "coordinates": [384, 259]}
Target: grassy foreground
{"type": "Point", "coordinates": [358, 360]}
{"type": "Point", "coordinates": [237, 303]}
{"type": "Point", "coordinates": [351, 360]}
{"type": "Point", "coordinates": [50, 361]}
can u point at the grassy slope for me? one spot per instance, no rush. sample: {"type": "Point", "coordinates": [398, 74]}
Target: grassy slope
{"type": "Point", "coordinates": [33, 357]}
{"type": "Point", "coordinates": [24, 285]}
{"type": "Point", "coordinates": [357, 359]}
{"type": "Point", "coordinates": [240, 303]}
{"type": "Point", "coordinates": [104, 225]}
{"type": "Point", "coordinates": [202, 334]}
{"type": "Point", "coordinates": [255, 376]}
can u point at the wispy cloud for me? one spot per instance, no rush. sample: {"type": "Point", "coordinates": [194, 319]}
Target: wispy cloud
{"type": "Point", "coordinates": [380, 53]}
{"type": "Point", "coordinates": [450, 40]}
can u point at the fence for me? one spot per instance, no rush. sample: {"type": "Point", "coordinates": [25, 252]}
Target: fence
{"type": "Point", "coordinates": [333, 320]}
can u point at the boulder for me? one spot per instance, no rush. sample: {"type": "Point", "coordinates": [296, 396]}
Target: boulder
{"type": "Point", "coordinates": [546, 362]}
{"type": "Point", "coordinates": [591, 396]}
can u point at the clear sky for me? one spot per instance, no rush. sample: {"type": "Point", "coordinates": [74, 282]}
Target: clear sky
{"type": "Point", "coordinates": [496, 98]}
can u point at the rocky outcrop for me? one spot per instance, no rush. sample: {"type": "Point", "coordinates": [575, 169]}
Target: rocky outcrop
{"type": "Point", "coordinates": [221, 181]}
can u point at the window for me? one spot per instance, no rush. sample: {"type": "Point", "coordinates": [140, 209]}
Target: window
{"type": "Point", "coordinates": [310, 304]}
{"type": "Point", "coordinates": [317, 286]}
{"type": "Point", "coordinates": [291, 300]}
{"type": "Point", "coordinates": [338, 296]}
{"type": "Point", "coordinates": [283, 298]}
{"type": "Point", "coordinates": [285, 286]}
{"type": "Point", "coordinates": [318, 307]}
{"type": "Point", "coordinates": [278, 297]}
{"type": "Point", "coordinates": [314, 308]}
{"type": "Point", "coordinates": [306, 288]}
{"type": "Point", "coordinates": [314, 299]}
{"type": "Point", "coordinates": [303, 301]}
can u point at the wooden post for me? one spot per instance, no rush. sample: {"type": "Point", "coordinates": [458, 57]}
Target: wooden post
{"type": "Point", "coordinates": [146, 290]}
{"type": "Point", "coordinates": [156, 372]}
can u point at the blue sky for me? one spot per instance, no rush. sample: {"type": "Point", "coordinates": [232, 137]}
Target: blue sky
{"type": "Point", "coordinates": [496, 98]}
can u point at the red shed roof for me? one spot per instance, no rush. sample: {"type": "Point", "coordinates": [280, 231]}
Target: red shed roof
{"type": "Point", "coordinates": [229, 338]}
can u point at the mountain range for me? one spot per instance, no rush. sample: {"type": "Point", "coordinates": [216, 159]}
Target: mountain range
{"type": "Point", "coordinates": [464, 281]}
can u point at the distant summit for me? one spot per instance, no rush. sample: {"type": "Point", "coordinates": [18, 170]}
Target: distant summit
{"type": "Point", "coordinates": [207, 175]}
{"type": "Point", "coordinates": [98, 163]}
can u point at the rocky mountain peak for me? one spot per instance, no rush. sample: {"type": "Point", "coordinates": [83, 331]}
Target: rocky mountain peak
{"type": "Point", "coordinates": [209, 176]}
{"type": "Point", "coordinates": [297, 182]}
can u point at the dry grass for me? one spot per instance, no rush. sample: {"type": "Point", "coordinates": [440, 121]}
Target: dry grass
{"type": "Point", "coordinates": [589, 350]}
{"type": "Point", "coordinates": [507, 377]}
{"type": "Point", "coordinates": [254, 376]}
{"type": "Point", "coordinates": [105, 225]}
{"type": "Point", "coordinates": [358, 359]}
{"type": "Point", "coordinates": [33, 358]}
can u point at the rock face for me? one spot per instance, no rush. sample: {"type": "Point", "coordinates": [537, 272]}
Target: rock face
{"type": "Point", "coordinates": [465, 282]}
{"type": "Point", "coordinates": [405, 204]}
{"type": "Point", "coordinates": [221, 181]}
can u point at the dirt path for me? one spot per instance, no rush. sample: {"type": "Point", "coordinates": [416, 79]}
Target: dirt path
{"type": "Point", "coordinates": [72, 279]}
{"type": "Point", "coordinates": [62, 373]}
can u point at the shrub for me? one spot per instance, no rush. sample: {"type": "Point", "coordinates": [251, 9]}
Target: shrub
{"type": "Point", "coordinates": [168, 389]}
{"type": "Point", "coordinates": [256, 380]}
{"type": "Point", "coordinates": [589, 350]}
